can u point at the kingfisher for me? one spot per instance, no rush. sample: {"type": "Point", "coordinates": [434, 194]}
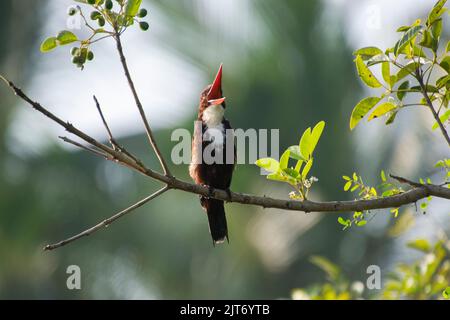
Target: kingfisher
{"type": "Point", "coordinates": [213, 155]}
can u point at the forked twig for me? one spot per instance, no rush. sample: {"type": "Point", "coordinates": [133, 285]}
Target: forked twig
{"type": "Point", "coordinates": [106, 222]}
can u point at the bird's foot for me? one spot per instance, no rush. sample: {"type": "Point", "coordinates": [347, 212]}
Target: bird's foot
{"type": "Point", "coordinates": [210, 191]}
{"type": "Point", "coordinates": [228, 191]}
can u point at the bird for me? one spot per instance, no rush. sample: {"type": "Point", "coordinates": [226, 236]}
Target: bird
{"type": "Point", "coordinates": [212, 133]}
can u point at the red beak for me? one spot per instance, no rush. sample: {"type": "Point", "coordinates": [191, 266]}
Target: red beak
{"type": "Point", "coordinates": [215, 93]}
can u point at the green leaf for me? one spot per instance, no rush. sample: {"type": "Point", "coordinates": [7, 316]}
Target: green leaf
{"type": "Point", "coordinates": [403, 28]}
{"type": "Point", "coordinates": [269, 164]}
{"type": "Point", "coordinates": [327, 266]}
{"type": "Point", "coordinates": [291, 173]}
{"type": "Point", "coordinates": [406, 39]}
{"type": "Point", "coordinates": [345, 223]}
{"type": "Point", "coordinates": [387, 193]}
{"type": "Point", "coordinates": [386, 72]}
{"type": "Point", "coordinates": [443, 82]}
{"type": "Point", "coordinates": [305, 144]}
{"type": "Point", "coordinates": [132, 7]}
{"type": "Point", "coordinates": [428, 88]}
{"type": "Point", "coordinates": [383, 176]}
{"type": "Point", "coordinates": [284, 160]}
{"type": "Point", "coordinates": [361, 109]}
{"type": "Point", "coordinates": [367, 52]}
{"type": "Point", "coordinates": [365, 74]}
{"type": "Point", "coordinates": [277, 177]}
{"type": "Point", "coordinates": [65, 37]}
{"type": "Point", "coordinates": [354, 188]}
{"type": "Point", "coordinates": [48, 44]}
{"type": "Point", "coordinates": [443, 119]}
{"type": "Point", "coordinates": [295, 153]}
{"type": "Point", "coordinates": [382, 109]}
{"type": "Point", "coordinates": [347, 185]}
{"type": "Point", "coordinates": [404, 86]}
{"type": "Point", "coordinates": [447, 47]}
{"type": "Point", "coordinates": [446, 293]}
{"type": "Point", "coordinates": [420, 244]}
{"type": "Point", "coordinates": [307, 168]}
{"type": "Point", "coordinates": [347, 178]}
{"type": "Point", "coordinates": [407, 70]}
{"type": "Point", "coordinates": [361, 223]}
{"type": "Point", "coordinates": [427, 40]}
{"type": "Point", "coordinates": [315, 135]}
{"type": "Point", "coordinates": [377, 59]}
{"type": "Point", "coordinates": [436, 12]}
{"type": "Point", "coordinates": [445, 64]}
{"type": "Point", "coordinates": [393, 80]}
{"type": "Point", "coordinates": [298, 165]}
{"type": "Point", "coordinates": [436, 29]}
{"type": "Point", "coordinates": [391, 118]}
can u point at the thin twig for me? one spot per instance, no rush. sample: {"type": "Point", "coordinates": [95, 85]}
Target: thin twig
{"type": "Point", "coordinates": [79, 145]}
{"type": "Point", "coordinates": [116, 146]}
{"type": "Point", "coordinates": [407, 181]}
{"type": "Point", "coordinates": [430, 106]}
{"type": "Point", "coordinates": [148, 130]}
{"type": "Point", "coordinates": [97, 104]}
{"type": "Point", "coordinates": [106, 222]}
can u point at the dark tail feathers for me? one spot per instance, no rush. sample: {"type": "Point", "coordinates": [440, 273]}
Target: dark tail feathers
{"type": "Point", "coordinates": [216, 219]}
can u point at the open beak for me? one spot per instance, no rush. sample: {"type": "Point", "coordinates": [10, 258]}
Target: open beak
{"type": "Point", "coordinates": [216, 101]}
{"type": "Point", "coordinates": [215, 93]}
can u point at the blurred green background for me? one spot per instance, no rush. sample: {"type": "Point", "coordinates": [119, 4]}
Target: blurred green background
{"type": "Point", "coordinates": [287, 65]}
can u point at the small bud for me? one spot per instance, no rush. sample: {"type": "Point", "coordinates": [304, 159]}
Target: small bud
{"type": "Point", "coordinates": [101, 21]}
{"type": "Point", "coordinates": [142, 13]}
{"type": "Point", "coordinates": [90, 56]}
{"type": "Point", "coordinates": [71, 11]}
{"type": "Point", "coordinates": [143, 25]}
{"type": "Point", "coordinates": [108, 4]}
{"type": "Point", "coordinates": [95, 15]}
{"type": "Point", "coordinates": [83, 55]}
{"type": "Point", "coordinates": [75, 51]}
{"type": "Point", "coordinates": [76, 60]}
{"type": "Point", "coordinates": [91, 1]}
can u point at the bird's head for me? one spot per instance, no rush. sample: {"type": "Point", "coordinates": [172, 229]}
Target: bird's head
{"type": "Point", "coordinates": [212, 97]}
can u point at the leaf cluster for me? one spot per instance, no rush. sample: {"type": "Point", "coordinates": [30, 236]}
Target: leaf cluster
{"type": "Point", "coordinates": [106, 19]}
{"type": "Point", "coordinates": [297, 176]}
{"type": "Point", "coordinates": [416, 65]}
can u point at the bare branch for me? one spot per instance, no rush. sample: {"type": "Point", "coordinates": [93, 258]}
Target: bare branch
{"type": "Point", "coordinates": [148, 130]}
{"type": "Point", "coordinates": [106, 222]}
{"type": "Point", "coordinates": [419, 191]}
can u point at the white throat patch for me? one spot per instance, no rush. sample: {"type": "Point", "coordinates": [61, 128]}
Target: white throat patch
{"type": "Point", "coordinates": [213, 115]}
{"type": "Point", "coordinates": [215, 132]}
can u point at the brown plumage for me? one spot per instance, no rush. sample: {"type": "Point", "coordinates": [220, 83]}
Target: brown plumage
{"type": "Point", "coordinates": [216, 174]}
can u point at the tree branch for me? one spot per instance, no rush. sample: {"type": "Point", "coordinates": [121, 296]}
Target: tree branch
{"type": "Point", "coordinates": [148, 130]}
{"type": "Point", "coordinates": [417, 192]}
{"type": "Point", "coordinates": [430, 106]}
{"type": "Point", "coordinates": [106, 222]}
